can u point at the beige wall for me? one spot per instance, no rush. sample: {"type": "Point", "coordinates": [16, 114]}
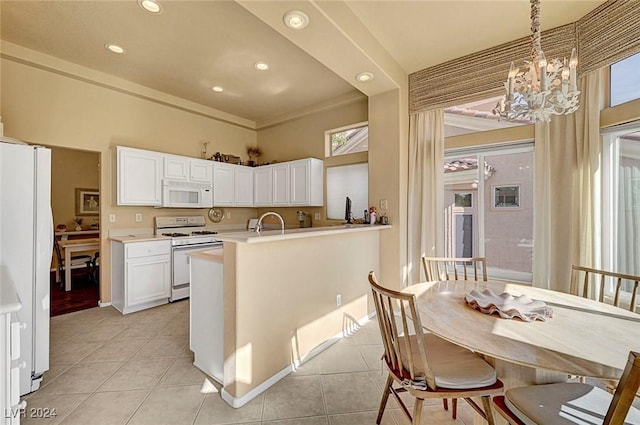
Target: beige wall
{"type": "Point", "coordinates": [293, 285]}
{"type": "Point", "coordinates": [304, 137]}
{"type": "Point", "coordinates": [43, 107]}
{"type": "Point", "coordinates": [72, 169]}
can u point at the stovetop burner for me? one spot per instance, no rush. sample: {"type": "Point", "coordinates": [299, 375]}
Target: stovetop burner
{"type": "Point", "coordinates": [204, 232]}
{"type": "Point", "coordinates": [175, 234]}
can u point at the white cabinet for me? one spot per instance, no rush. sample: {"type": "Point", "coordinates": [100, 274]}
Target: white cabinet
{"type": "Point", "coordinates": [140, 274]}
{"type": "Point", "coordinates": [243, 186]}
{"type": "Point", "coordinates": [11, 408]}
{"type": "Point", "coordinates": [223, 190]}
{"type": "Point", "coordinates": [294, 183]}
{"type": "Point", "coordinates": [187, 169]}
{"type": "Point", "coordinates": [306, 182]}
{"type": "Point", "coordinates": [232, 185]}
{"type": "Point", "coordinates": [139, 177]}
{"type": "Point", "coordinates": [176, 167]}
{"type": "Point", "coordinates": [263, 186]}
{"type": "Point", "coordinates": [280, 179]}
{"type": "Point", "coordinates": [200, 170]}
{"type": "Point", "coordinates": [206, 330]}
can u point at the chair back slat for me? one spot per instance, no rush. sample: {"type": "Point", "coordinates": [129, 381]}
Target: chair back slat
{"type": "Point", "coordinates": [625, 392]}
{"type": "Point", "coordinates": [402, 333]}
{"type": "Point", "coordinates": [444, 268]}
{"type": "Point", "coordinates": [618, 279]}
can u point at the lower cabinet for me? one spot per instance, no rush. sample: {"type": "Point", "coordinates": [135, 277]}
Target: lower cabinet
{"type": "Point", "coordinates": [140, 274]}
{"type": "Point", "coordinates": [11, 408]}
{"type": "Point", "coordinates": [206, 330]}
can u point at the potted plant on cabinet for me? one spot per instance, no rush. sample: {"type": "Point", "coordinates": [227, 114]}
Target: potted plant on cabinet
{"type": "Point", "coordinates": [253, 152]}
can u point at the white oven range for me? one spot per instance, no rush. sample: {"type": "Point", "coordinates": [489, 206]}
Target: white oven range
{"type": "Point", "coordinates": [188, 233]}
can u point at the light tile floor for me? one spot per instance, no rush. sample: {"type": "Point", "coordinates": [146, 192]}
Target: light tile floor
{"type": "Point", "coordinates": [136, 369]}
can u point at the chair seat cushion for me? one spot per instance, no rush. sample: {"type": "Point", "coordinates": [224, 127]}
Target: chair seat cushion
{"type": "Point", "coordinates": [453, 367]}
{"type": "Point", "coordinates": [566, 403]}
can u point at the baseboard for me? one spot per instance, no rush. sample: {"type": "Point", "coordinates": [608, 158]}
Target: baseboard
{"type": "Point", "coordinates": [101, 304]}
{"type": "Point", "coordinates": [237, 402]}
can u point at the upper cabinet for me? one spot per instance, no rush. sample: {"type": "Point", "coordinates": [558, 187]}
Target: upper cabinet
{"type": "Point", "coordinates": [187, 169]}
{"type": "Point", "coordinates": [306, 182]}
{"type": "Point", "coordinates": [294, 183]}
{"type": "Point", "coordinates": [298, 183]}
{"type": "Point", "coordinates": [280, 178]}
{"type": "Point", "coordinates": [243, 186]}
{"type": "Point", "coordinates": [223, 190]}
{"type": "Point", "coordinates": [139, 177]}
{"type": "Point", "coordinates": [232, 185]}
{"type": "Point", "coordinates": [263, 186]}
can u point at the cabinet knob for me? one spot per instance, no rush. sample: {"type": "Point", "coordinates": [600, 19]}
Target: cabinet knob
{"type": "Point", "coordinates": [22, 365]}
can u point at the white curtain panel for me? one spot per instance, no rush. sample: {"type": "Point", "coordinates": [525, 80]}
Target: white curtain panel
{"type": "Point", "coordinates": [568, 180]}
{"type": "Point", "coordinates": [425, 204]}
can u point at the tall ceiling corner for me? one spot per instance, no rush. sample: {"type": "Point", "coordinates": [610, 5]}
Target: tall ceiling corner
{"type": "Point", "coordinates": [336, 38]}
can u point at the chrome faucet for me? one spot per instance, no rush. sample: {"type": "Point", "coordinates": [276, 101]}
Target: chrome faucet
{"type": "Point", "coordinates": [259, 224]}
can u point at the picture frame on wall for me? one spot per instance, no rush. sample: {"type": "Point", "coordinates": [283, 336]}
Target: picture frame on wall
{"type": "Point", "coordinates": [87, 201]}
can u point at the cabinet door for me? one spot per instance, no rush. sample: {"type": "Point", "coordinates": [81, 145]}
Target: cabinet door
{"type": "Point", "coordinates": [299, 182]}
{"type": "Point", "coordinates": [148, 280]}
{"type": "Point", "coordinates": [139, 177]}
{"type": "Point", "coordinates": [243, 186]}
{"type": "Point", "coordinates": [201, 171]}
{"type": "Point", "coordinates": [262, 186]}
{"type": "Point", "coordinates": [223, 190]}
{"type": "Point", "coordinates": [280, 184]}
{"type": "Point", "coordinates": [176, 167]}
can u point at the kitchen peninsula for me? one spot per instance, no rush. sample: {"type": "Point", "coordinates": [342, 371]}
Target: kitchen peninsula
{"type": "Point", "coordinates": [285, 297]}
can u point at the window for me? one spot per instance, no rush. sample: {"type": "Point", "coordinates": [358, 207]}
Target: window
{"type": "Point", "coordinates": [347, 180]}
{"type": "Point", "coordinates": [621, 200]}
{"type": "Point", "coordinates": [346, 140]}
{"type": "Point", "coordinates": [506, 196]}
{"type": "Point", "coordinates": [625, 80]}
{"type": "Point", "coordinates": [488, 193]}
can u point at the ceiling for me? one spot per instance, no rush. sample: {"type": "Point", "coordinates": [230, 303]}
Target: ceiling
{"type": "Point", "coordinates": [194, 45]}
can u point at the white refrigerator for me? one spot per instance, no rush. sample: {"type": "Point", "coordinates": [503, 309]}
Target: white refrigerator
{"type": "Point", "coordinates": [26, 241]}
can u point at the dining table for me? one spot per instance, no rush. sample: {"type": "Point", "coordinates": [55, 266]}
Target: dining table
{"type": "Point", "coordinates": [583, 337]}
{"type": "Point", "coordinates": [76, 245]}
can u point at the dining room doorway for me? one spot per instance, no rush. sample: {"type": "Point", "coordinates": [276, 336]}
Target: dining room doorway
{"type": "Point", "coordinates": [75, 204]}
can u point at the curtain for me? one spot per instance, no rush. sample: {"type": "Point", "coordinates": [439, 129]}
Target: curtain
{"type": "Point", "coordinates": [425, 205]}
{"type": "Point", "coordinates": [629, 213]}
{"type": "Point", "coordinates": [567, 179]}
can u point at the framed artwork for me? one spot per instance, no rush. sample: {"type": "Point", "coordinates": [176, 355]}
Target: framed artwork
{"type": "Point", "coordinates": [87, 201]}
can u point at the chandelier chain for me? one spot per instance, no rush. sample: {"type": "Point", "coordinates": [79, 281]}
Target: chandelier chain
{"type": "Point", "coordinates": [536, 46]}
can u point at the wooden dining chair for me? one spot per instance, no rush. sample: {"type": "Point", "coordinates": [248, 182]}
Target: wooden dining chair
{"type": "Point", "coordinates": [425, 365]}
{"type": "Point", "coordinates": [585, 286]}
{"type": "Point", "coordinates": [76, 260]}
{"type": "Point", "coordinates": [451, 268]}
{"type": "Point", "coordinates": [557, 404]}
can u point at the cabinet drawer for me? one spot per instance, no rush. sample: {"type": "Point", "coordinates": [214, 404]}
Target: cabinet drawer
{"type": "Point", "coordinates": [147, 249]}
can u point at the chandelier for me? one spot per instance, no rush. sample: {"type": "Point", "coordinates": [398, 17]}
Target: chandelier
{"type": "Point", "coordinates": [544, 88]}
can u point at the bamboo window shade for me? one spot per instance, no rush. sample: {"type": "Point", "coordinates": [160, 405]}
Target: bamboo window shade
{"type": "Point", "coordinates": [606, 35]}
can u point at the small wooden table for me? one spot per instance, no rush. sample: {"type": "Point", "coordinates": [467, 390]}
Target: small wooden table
{"type": "Point", "coordinates": [76, 245]}
{"type": "Point", "coordinates": [584, 337]}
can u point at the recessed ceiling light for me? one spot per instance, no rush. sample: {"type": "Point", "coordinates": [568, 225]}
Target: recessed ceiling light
{"type": "Point", "coordinates": [114, 48]}
{"type": "Point", "coordinates": [151, 6]}
{"type": "Point", "coordinates": [261, 66]}
{"type": "Point", "coordinates": [363, 77]}
{"type": "Point", "coordinates": [296, 20]}
{"type": "Point", "coordinates": [217, 89]}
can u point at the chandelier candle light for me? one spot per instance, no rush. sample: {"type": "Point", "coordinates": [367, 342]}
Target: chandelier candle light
{"type": "Point", "coordinates": [546, 88]}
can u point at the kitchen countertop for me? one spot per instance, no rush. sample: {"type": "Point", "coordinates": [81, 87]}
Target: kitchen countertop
{"type": "Point", "coordinates": [9, 299]}
{"type": "Point", "coordinates": [296, 233]}
{"type": "Point", "coordinates": [138, 238]}
{"type": "Point", "coordinates": [214, 255]}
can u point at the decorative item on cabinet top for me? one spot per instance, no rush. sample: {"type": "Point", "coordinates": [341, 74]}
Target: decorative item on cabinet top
{"type": "Point", "coordinates": [221, 157]}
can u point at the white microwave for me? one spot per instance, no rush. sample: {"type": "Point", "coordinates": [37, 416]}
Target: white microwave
{"type": "Point", "coordinates": [181, 194]}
